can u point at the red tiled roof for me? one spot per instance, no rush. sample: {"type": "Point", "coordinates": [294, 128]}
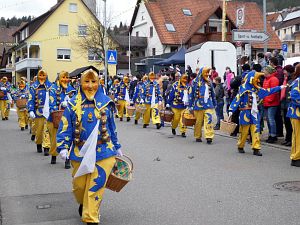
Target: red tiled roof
{"type": "Point", "coordinates": [272, 17]}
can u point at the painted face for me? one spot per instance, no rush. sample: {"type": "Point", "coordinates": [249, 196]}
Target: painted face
{"type": "Point", "coordinates": [126, 80]}
{"type": "Point", "coordinates": [42, 76]}
{"type": "Point", "coordinates": [152, 77]}
{"type": "Point", "coordinates": [205, 74]}
{"type": "Point", "coordinates": [116, 81]}
{"type": "Point", "coordinates": [184, 79]}
{"type": "Point", "coordinates": [90, 85]}
{"type": "Point", "coordinates": [22, 85]}
{"type": "Point", "coordinates": [64, 79]}
{"type": "Point", "coordinates": [4, 80]}
{"type": "Point", "coordinates": [102, 81]}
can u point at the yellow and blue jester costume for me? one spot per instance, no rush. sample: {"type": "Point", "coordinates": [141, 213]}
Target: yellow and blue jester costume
{"type": "Point", "coordinates": [22, 93]}
{"type": "Point", "coordinates": [122, 98]}
{"type": "Point", "coordinates": [5, 98]}
{"type": "Point", "coordinates": [137, 97]}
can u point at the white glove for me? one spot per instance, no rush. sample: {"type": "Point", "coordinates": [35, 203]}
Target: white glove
{"type": "Point", "coordinates": [282, 86]}
{"type": "Point", "coordinates": [119, 152]}
{"type": "Point", "coordinates": [64, 154]}
{"type": "Point", "coordinates": [142, 101]}
{"type": "Point", "coordinates": [64, 104]}
{"type": "Point", "coordinates": [116, 99]}
{"type": "Point", "coordinates": [230, 114]}
{"type": "Point", "coordinates": [168, 106]}
{"type": "Point", "coordinates": [67, 98]}
{"type": "Point", "coordinates": [3, 88]}
{"type": "Point", "coordinates": [159, 103]}
{"type": "Point", "coordinates": [23, 96]}
{"type": "Point", "coordinates": [32, 115]}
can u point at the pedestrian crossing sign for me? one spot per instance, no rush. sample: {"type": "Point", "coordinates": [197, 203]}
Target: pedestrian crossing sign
{"type": "Point", "coordinates": [111, 57]}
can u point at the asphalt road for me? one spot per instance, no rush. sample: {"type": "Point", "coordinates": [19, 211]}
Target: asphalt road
{"type": "Point", "coordinates": [176, 182]}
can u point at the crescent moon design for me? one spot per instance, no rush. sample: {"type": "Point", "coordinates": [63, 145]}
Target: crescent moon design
{"type": "Point", "coordinates": [65, 124]}
{"type": "Point", "coordinates": [247, 120]}
{"type": "Point", "coordinates": [292, 110]}
{"type": "Point", "coordinates": [298, 112]}
{"type": "Point", "coordinates": [198, 104]}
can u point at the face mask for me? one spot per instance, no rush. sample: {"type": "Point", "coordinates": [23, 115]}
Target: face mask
{"type": "Point", "coordinates": [64, 80]}
{"type": "Point", "coordinates": [42, 77]}
{"type": "Point", "coordinates": [90, 85]}
{"type": "Point", "coordinates": [21, 86]}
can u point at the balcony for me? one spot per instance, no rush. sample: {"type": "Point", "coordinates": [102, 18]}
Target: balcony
{"type": "Point", "coordinates": [32, 63]}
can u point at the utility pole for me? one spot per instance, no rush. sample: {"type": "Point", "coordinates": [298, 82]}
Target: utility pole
{"type": "Point", "coordinates": [224, 21]}
{"type": "Point", "coordinates": [105, 46]}
{"type": "Point", "coordinates": [129, 58]}
{"type": "Point", "coordinates": [265, 23]}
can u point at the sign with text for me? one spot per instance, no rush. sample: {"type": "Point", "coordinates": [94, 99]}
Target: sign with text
{"type": "Point", "coordinates": [249, 36]}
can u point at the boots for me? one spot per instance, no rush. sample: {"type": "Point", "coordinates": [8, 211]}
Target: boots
{"type": "Point", "coordinates": [208, 141]}
{"type": "Point", "coordinates": [295, 163]}
{"type": "Point", "coordinates": [121, 119]}
{"type": "Point", "coordinates": [32, 137]}
{"type": "Point", "coordinates": [128, 119]}
{"type": "Point", "coordinates": [241, 150]}
{"type": "Point", "coordinates": [92, 223]}
{"type": "Point", "coordinates": [26, 127]}
{"type": "Point", "coordinates": [22, 129]}
{"type": "Point", "coordinates": [80, 210]}
{"type": "Point", "coordinates": [53, 159]}
{"type": "Point", "coordinates": [39, 148]}
{"type": "Point", "coordinates": [158, 126]}
{"type": "Point", "coordinates": [257, 152]}
{"type": "Point", "coordinates": [46, 151]}
{"type": "Point", "coordinates": [173, 131]}
{"type": "Point", "coordinates": [135, 122]}
{"type": "Point", "coordinates": [198, 140]}
{"type": "Point", "coordinates": [145, 125]}
{"type": "Point", "coordinates": [67, 164]}
{"type": "Point", "coordinates": [183, 135]}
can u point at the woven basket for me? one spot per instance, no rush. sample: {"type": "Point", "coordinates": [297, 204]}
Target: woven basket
{"type": "Point", "coordinates": [21, 103]}
{"type": "Point", "coordinates": [56, 117]}
{"type": "Point", "coordinates": [1, 94]}
{"type": "Point", "coordinates": [141, 108]}
{"type": "Point", "coordinates": [166, 115]}
{"type": "Point", "coordinates": [227, 126]}
{"type": "Point", "coordinates": [188, 119]}
{"type": "Point", "coordinates": [130, 110]}
{"type": "Point", "coordinates": [118, 179]}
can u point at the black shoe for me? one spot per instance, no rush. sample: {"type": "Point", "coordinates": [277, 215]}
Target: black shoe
{"type": "Point", "coordinates": [257, 152]}
{"type": "Point", "coordinates": [3, 118]}
{"type": "Point", "coordinates": [117, 116]}
{"type": "Point", "coordinates": [217, 128]}
{"type": "Point", "coordinates": [288, 144]}
{"type": "Point", "coordinates": [67, 164]}
{"type": "Point", "coordinates": [173, 131]}
{"type": "Point", "coordinates": [158, 126]}
{"type": "Point", "coordinates": [121, 119]}
{"type": "Point", "coordinates": [271, 140]}
{"type": "Point", "coordinates": [39, 148]}
{"type": "Point", "coordinates": [183, 135]}
{"type": "Point", "coordinates": [198, 140]}
{"type": "Point", "coordinates": [26, 127]}
{"type": "Point", "coordinates": [295, 163]}
{"type": "Point", "coordinates": [46, 151]}
{"type": "Point", "coordinates": [208, 141]}
{"type": "Point", "coordinates": [241, 150]}
{"type": "Point", "coordinates": [6, 118]}
{"type": "Point", "coordinates": [92, 223]}
{"type": "Point", "coordinates": [32, 137]}
{"type": "Point", "coordinates": [53, 159]}
{"type": "Point", "coordinates": [22, 129]}
{"type": "Point", "coordinates": [80, 210]}
{"type": "Point", "coordinates": [135, 122]}
{"type": "Point", "coordinates": [233, 134]}
{"type": "Point", "coordinates": [128, 119]}
{"type": "Point", "coordinates": [145, 125]}
{"type": "Point", "coordinates": [280, 135]}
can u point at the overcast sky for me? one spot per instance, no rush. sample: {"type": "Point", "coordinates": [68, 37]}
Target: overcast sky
{"type": "Point", "coordinates": [120, 10]}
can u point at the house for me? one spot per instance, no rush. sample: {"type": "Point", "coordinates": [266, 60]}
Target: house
{"type": "Point", "coordinates": [169, 24]}
{"type": "Point", "coordinates": [50, 41]}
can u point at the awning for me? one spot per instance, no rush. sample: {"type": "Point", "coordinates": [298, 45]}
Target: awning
{"type": "Point", "coordinates": [177, 58]}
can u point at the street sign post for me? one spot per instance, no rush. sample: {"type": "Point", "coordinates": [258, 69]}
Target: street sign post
{"type": "Point", "coordinates": [111, 57]}
{"type": "Point", "coordinates": [249, 36]}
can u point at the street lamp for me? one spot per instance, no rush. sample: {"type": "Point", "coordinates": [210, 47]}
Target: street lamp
{"type": "Point", "coordinates": [105, 46]}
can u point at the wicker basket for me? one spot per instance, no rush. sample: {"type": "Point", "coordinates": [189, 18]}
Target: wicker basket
{"type": "Point", "coordinates": [21, 103]}
{"type": "Point", "coordinates": [56, 117]}
{"type": "Point", "coordinates": [141, 108]}
{"type": "Point", "coordinates": [188, 119]}
{"type": "Point", "coordinates": [1, 94]}
{"type": "Point", "coordinates": [130, 110]}
{"type": "Point", "coordinates": [116, 180]}
{"type": "Point", "coordinates": [166, 115]}
{"type": "Point", "coordinates": [227, 126]}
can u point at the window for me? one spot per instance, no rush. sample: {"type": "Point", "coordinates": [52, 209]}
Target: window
{"type": "Point", "coordinates": [293, 48]}
{"type": "Point", "coordinates": [64, 54]}
{"type": "Point", "coordinates": [137, 34]}
{"type": "Point", "coordinates": [278, 32]}
{"type": "Point", "coordinates": [170, 27]}
{"type": "Point", "coordinates": [297, 27]}
{"type": "Point", "coordinates": [187, 12]}
{"type": "Point", "coordinates": [94, 55]}
{"type": "Point", "coordinates": [82, 30]}
{"type": "Point", "coordinates": [284, 31]}
{"type": "Point", "coordinates": [73, 7]}
{"type": "Point", "coordinates": [151, 31]}
{"type": "Point", "coordinates": [153, 51]}
{"type": "Point", "coordinates": [137, 54]}
{"type": "Point", "coordinates": [213, 29]}
{"type": "Point", "coordinates": [63, 30]}
{"type": "Point", "coordinates": [174, 49]}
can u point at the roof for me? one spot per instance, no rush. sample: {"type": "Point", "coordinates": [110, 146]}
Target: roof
{"type": "Point", "coordinates": [289, 23]}
{"type": "Point", "coordinates": [292, 15]}
{"type": "Point", "coordinates": [123, 41]}
{"type": "Point", "coordinates": [79, 71]}
{"type": "Point", "coordinates": [273, 17]}
{"type": "Point", "coordinates": [6, 37]}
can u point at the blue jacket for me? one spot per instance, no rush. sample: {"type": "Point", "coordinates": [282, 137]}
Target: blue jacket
{"type": "Point", "coordinates": [66, 131]}
{"type": "Point", "coordinates": [7, 86]}
{"type": "Point", "coordinates": [294, 106]}
{"type": "Point", "coordinates": [20, 94]}
{"type": "Point", "coordinates": [121, 91]}
{"type": "Point", "coordinates": [147, 92]}
{"type": "Point", "coordinates": [37, 97]}
{"type": "Point", "coordinates": [175, 96]}
{"type": "Point", "coordinates": [137, 96]}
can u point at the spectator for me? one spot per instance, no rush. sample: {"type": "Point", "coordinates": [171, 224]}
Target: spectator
{"type": "Point", "coordinates": [219, 90]}
{"type": "Point", "coordinates": [285, 100]}
{"type": "Point", "coordinates": [214, 74]}
{"type": "Point", "coordinates": [261, 60]}
{"type": "Point", "coordinates": [271, 102]}
{"type": "Point", "coordinates": [278, 57]}
{"type": "Point", "coordinates": [228, 76]}
{"type": "Point", "coordinates": [193, 76]}
{"type": "Point", "coordinates": [268, 55]}
{"type": "Point", "coordinates": [189, 73]}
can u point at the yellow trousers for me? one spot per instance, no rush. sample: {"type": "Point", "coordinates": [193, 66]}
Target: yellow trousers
{"type": "Point", "coordinates": [41, 132]}
{"type": "Point", "coordinates": [244, 131]}
{"type": "Point", "coordinates": [177, 119]}
{"type": "Point", "coordinates": [151, 112]}
{"type": "Point", "coordinates": [204, 118]}
{"type": "Point", "coordinates": [295, 151]}
{"type": "Point", "coordinates": [86, 191]}
{"type": "Point", "coordinates": [123, 105]}
{"type": "Point", "coordinates": [3, 108]}
{"type": "Point", "coordinates": [8, 105]}
{"type": "Point", "coordinates": [32, 126]}
{"type": "Point", "coordinates": [52, 136]}
{"type": "Point", "coordinates": [22, 117]}
{"type": "Point", "coordinates": [46, 137]}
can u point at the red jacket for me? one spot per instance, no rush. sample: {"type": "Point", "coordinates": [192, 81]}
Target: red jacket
{"type": "Point", "coordinates": [274, 99]}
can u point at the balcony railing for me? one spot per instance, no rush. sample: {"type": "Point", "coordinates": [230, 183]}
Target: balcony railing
{"type": "Point", "coordinates": [28, 63]}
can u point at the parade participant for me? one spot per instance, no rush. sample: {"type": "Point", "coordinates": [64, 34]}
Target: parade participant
{"type": "Point", "coordinates": [294, 114]}
{"type": "Point", "coordinates": [61, 92]}
{"type": "Point", "coordinates": [122, 98]}
{"type": "Point", "coordinates": [88, 129]}
{"type": "Point", "coordinates": [178, 101]}
{"type": "Point", "coordinates": [5, 98]}
{"type": "Point", "coordinates": [152, 98]}
{"type": "Point", "coordinates": [114, 86]}
{"type": "Point", "coordinates": [246, 100]}
{"type": "Point", "coordinates": [38, 107]}
{"type": "Point", "coordinates": [137, 97]}
{"type": "Point", "coordinates": [22, 93]}
{"type": "Point", "coordinates": [202, 103]}
{"type": "Point", "coordinates": [102, 85]}
{"type": "Point", "coordinates": [31, 121]}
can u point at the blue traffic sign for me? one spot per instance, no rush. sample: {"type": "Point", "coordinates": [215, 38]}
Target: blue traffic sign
{"type": "Point", "coordinates": [284, 47]}
{"type": "Point", "coordinates": [111, 57]}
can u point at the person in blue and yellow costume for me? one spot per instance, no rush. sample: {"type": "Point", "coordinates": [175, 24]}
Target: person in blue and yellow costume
{"type": "Point", "coordinates": [202, 103]}
{"type": "Point", "coordinates": [60, 94]}
{"type": "Point", "coordinates": [178, 101]}
{"type": "Point", "coordinates": [5, 98]}
{"type": "Point", "coordinates": [122, 98]}
{"type": "Point", "coordinates": [31, 121]}
{"type": "Point", "coordinates": [152, 98]}
{"type": "Point", "coordinates": [294, 114]}
{"type": "Point", "coordinates": [102, 85]}
{"type": "Point", "coordinates": [22, 93]}
{"type": "Point", "coordinates": [88, 130]}
{"type": "Point", "coordinates": [137, 96]}
{"type": "Point", "coordinates": [39, 108]}
{"type": "Point", "coordinates": [247, 99]}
